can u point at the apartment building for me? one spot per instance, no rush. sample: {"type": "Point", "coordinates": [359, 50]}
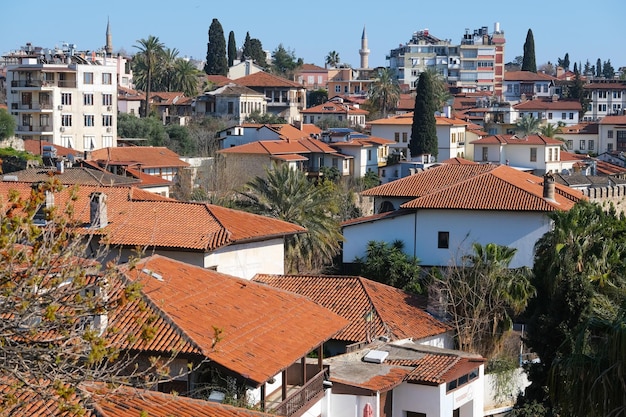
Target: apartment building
{"type": "Point", "coordinates": [476, 64]}
{"type": "Point", "coordinates": [63, 96]}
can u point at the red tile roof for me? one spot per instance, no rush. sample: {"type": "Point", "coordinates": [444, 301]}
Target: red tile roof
{"type": "Point", "coordinates": [527, 76]}
{"type": "Point", "coordinates": [547, 105]}
{"type": "Point", "coordinates": [460, 161]}
{"type": "Point", "coordinates": [396, 314]}
{"type": "Point", "coordinates": [263, 79]}
{"type": "Point", "coordinates": [218, 80]}
{"type": "Point", "coordinates": [281, 147]}
{"type": "Point", "coordinates": [141, 218]}
{"type": "Point", "coordinates": [264, 329]}
{"type": "Point", "coordinates": [517, 140]}
{"type": "Point", "coordinates": [331, 107]}
{"type": "Point", "coordinates": [583, 128]}
{"type": "Point", "coordinates": [436, 369]}
{"type": "Point", "coordinates": [407, 119]}
{"type": "Point", "coordinates": [613, 120]}
{"type": "Point", "coordinates": [35, 146]}
{"type": "Point", "coordinates": [146, 156]}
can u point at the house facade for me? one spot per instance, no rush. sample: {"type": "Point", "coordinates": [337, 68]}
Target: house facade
{"type": "Point", "coordinates": [522, 85]}
{"type": "Point", "coordinates": [231, 102]}
{"type": "Point", "coordinates": [553, 111]}
{"type": "Point", "coordinates": [441, 212]}
{"type": "Point", "coordinates": [312, 77]}
{"type": "Point", "coordinates": [608, 98]}
{"type": "Point", "coordinates": [63, 96]}
{"type": "Point", "coordinates": [335, 110]}
{"type": "Point", "coordinates": [612, 134]}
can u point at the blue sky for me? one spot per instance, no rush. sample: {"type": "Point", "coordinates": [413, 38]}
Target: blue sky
{"type": "Point", "coordinates": [312, 29]}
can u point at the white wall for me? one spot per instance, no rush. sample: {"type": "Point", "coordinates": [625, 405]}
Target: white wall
{"type": "Point", "coordinates": [344, 405]}
{"type": "Point", "coordinates": [246, 260]}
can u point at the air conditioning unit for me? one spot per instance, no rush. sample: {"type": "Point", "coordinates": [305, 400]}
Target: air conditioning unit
{"type": "Point", "coordinates": [60, 107]}
{"type": "Point", "coordinates": [62, 128]}
{"type": "Point", "coordinates": [108, 108]}
{"type": "Point", "coordinates": [108, 130]}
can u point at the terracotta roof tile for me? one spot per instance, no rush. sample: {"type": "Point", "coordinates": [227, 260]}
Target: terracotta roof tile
{"type": "Point", "coordinates": [256, 320]}
{"type": "Point", "coordinates": [546, 105]}
{"type": "Point", "coordinates": [527, 76]}
{"type": "Point", "coordinates": [517, 140]}
{"type": "Point", "coordinates": [76, 175]}
{"type": "Point", "coordinates": [396, 314]}
{"type": "Point", "coordinates": [613, 120]}
{"type": "Point", "coordinates": [387, 379]}
{"type": "Point", "coordinates": [460, 161]}
{"type": "Point", "coordinates": [263, 79]}
{"type": "Point", "coordinates": [146, 156]}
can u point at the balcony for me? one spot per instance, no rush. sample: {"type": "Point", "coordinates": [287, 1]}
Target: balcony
{"type": "Point", "coordinates": [298, 398]}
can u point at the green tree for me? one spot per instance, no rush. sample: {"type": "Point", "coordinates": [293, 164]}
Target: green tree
{"type": "Point", "coordinates": [387, 263]}
{"type": "Point", "coordinates": [577, 91]}
{"type": "Point", "coordinates": [232, 49]}
{"type": "Point", "coordinates": [216, 61]}
{"type": "Point", "coordinates": [598, 68]}
{"type": "Point", "coordinates": [480, 296]}
{"type": "Point", "coordinates": [550, 130]}
{"type": "Point", "coordinates": [424, 127]}
{"type": "Point", "coordinates": [287, 194]}
{"type": "Point", "coordinates": [165, 72]}
{"type": "Point", "coordinates": [149, 55]}
{"type": "Point", "coordinates": [284, 62]}
{"type": "Point", "coordinates": [151, 128]}
{"type": "Point", "coordinates": [264, 118]}
{"type": "Point", "coordinates": [579, 275]}
{"type": "Point", "coordinates": [7, 125]}
{"type": "Point", "coordinates": [332, 59]}
{"type": "Point", "coordinates": [253, 49]}
{"type": "Point", "coordinates": [527, 126]}
{"type": "Point", "coordinates": [180, 140]}
{"type": "Point", "coordinates": [608, 71]}
{"type": "Point", "coordinates": [587, 70]}
{"type": "Point", "coordinates": [317, 97]}
{"type": "Point", "coordinates": [384, 92]}
{"type": "Point", "coordinates": [529, 62]}
{"type": "Point", "coordinates": [564, 63]}
{"type": "Point", "coordinates": [186, 78]}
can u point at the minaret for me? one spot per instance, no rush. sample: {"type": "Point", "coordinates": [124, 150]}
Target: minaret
{"type": "Point", "coordinates": [364, 52]}
{"type": "Point", "coordinates": [108, 48]}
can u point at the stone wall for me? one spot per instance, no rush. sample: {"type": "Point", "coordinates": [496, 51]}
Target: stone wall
{"type": "Point", "coordinates": [615, 194]}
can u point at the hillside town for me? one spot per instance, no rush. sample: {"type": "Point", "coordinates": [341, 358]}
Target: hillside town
{"type": "Point", "coordinates": [252, 235]}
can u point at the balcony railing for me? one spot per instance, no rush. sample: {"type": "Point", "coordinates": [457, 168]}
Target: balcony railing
{"type": "Point", "coordinates": [313, 390]}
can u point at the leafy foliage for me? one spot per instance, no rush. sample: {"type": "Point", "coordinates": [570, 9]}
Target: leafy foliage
{"type": "Point", "coordinates": [387, 263]}
{"type": "Point", "coordinates": [284, 62]}
{"type": "Point", "coordinates": [288, 195]}
{"type": "Point", "coordinates": [253, 49]}
{"type": "Point", "coordinates": [332, 59]}
{"type": "Point", "coordinates": [265, 118]}
{"type": "Point", "coordinates": [424, 129]}
{"type": "Point", "coordinates": [529, 62]}
{"type": "Point", "coordinates": [317, 97]}
{"type": "Point", "coordinates": [151, 128]}
{"type": "Point", "coordinates": [7, 124]}
{"type": "Point", "coordinates": [527, 125]}
{"type": "Point", "coordinates": [216, 61]}
{"type": "Point", "coordinates": [385, 91]}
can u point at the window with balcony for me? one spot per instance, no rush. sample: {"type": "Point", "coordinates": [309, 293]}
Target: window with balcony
{"type": "Point", "coordinates": [66, 99]}
{"type": "Point", "coordinates": [88, 78]}
{"type": "Point", "coordinates": [88, 99]}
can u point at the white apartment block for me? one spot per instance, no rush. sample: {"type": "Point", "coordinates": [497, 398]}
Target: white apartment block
{"type": "Point", "coordinates": [608, 98]}
{"type": "Point", "coordinates": [63, 96]}
{"type": "Point", "coordinates": [476, 64]}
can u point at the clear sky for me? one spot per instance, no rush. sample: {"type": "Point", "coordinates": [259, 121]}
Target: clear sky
{"type": "Point", "coordinates": [585, 30]}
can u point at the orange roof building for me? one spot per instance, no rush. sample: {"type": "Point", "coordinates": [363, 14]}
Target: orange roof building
{"type": "Point", "coordinates": [373, 309]}
{"type": "Point", "coordinates": [441, 212]}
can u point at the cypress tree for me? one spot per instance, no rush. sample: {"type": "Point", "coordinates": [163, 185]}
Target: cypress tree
{"type": "Point", "coordinates": [216, 62]}
{"type": "Point", "coordinates": [598, 68]}
{"type": "Point", "coordinates": [245, 52]}
{"type": "Point", "coordinates": [232, 48]}
{"type": "Point", "coordinates": [529, 62]}
{"type": "Point", "coordinates": [424, 128]}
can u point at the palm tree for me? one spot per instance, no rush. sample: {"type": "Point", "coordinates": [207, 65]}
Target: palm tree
{"type": "Point", "coordinates": [527, 125]}
{"type": "Point", "coordinates": [186, 77]}
{"type": "Point", "coordinates": [385, 91]}
{"type": "Point", "coordinates": [550, 130]}
{"type": "Point", "coordinates": [150, 51]}
{"type": "Point", "coordinates": [287, 194]}
{"type": "Point", "coordinates": [166, 71]}
{"type": "Point", "coordinates": [332, 59]}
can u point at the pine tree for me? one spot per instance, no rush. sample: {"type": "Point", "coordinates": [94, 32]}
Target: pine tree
{"type": "Point", "coordinates": [216, 62]}
{"type": "Point", "coordinates": [607, 70]}
{"type": "Point", "coordinates": [232, 49]}
{"type": "Point", "coordinates": [529, 62]}
{"type": "Point", "coordinates": [245, 51]}
{"type": "Point", "coordinates": [424, 129]}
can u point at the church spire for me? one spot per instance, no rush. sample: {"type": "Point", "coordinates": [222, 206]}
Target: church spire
{"type": "Point", "coordinates": [108, 48]}
{"type": "Point", "coordinates": [364, 51]}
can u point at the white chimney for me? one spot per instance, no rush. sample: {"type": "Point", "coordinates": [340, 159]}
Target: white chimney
{"type": "Point", "coordinates": [98, 210]}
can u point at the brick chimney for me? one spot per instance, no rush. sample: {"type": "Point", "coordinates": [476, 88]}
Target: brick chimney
{"type": "Point", "coordinates": [548, 187]}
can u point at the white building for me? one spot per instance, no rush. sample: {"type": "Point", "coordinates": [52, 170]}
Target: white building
{"type": "Point", "coordinates": [64, 97]}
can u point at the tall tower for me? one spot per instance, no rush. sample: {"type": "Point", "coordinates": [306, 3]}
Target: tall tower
{"type": "Point", "coordinates": [108, 48]}
{"type": "Point", "coordinates": [364, 51]}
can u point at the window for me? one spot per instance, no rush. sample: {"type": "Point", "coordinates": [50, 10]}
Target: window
{"type": "Point", "coordinates": [231, 107]}
{"type": "Point", "coordinates": [337, 89]}
{"type": "Point", "coordinates": [396, 136]}
{"type": "Point", "coordinates": [89, 120]}
{"type": "Point", "coordinates": [591, 145]}
{"type": "Point", "coordinates": [88, 142]}
{"type": "Point", "coordinates": [453, 138]}
{"type": "Point", "coordinates": [533, 154]}
{"type": "Point", "coordinates": [617, 94]}
{"type": "Point", "coordinates": [107, 99]}
{"type": "Point", "coordinates": [107, 120]}
{"type": "Point", "coordinates": [88, 78]}
{"type": "Point", "coordinates": [563, 116]}
{"type": "Point", "coordinates": [67, 141]}
{"type": "Point", "coordinates": [345, 89]}
{"type": "Point", "coordinates": [545, 88]}
{"type": "Point", "coordinates": [621, 140]}
{"type": "Point", "coordinates": [107, 141]}
{"type": "Point", "coordinates": [383, 173]}
{"type": "Point", "coordinates": [66, 120]}
{"type": "Point", "coordinates": [570, 144]}
{"type": "Point", "coordinates": [571, 116]}
{"type": "Point", "coordinates": [369, 154]}
{"type": "Point", "coordinates": [106, 78]}
{"type": "Point", "coordinates": [443, 240]}
{"type": "Point", "coordinates": [582, 145]}
{"type": "Point", "coordinates": [550, 154]}
{"type": "Point", "coordinates": [485, 154]}
{"type": "Point", "coordinates": [549, 115]}
{"type": "Point", "coordinates": [609, 147]}
{"type": "Point", "coordinates": [88, 99]}
{"type": "Point", "coordinates": [66, 99]}
{"type": "Point", "coordinates": [601, 107]}
{"type": "Point", "coordinates": [609, 134]}
{"type": "Point", "coordinates": [601, 94]}
{"type": "Point", "coordinates": [44, 120]}
{"type": "Point", "coordinates": [405, 137]}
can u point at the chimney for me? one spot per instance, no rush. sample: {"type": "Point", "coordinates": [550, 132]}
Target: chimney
{"type": "Point", "coordinates": [548, 187]}
{"type": "Point", "coordinates": [98, 210]}
{"type": "Point", "coordinates": [60, 167]}
{"type": "Point", "coordinates": [555, 97]}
